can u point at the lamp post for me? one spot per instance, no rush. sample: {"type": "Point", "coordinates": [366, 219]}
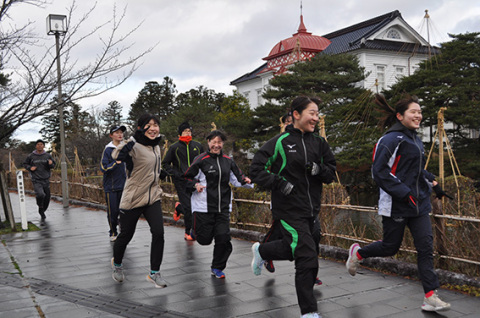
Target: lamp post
{"type": "Point", "coordinates": [57, 25]}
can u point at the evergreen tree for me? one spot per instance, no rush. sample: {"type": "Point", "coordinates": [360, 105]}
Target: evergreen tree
{"type": "Point", "coordinates": [452, 80]}
{"type": "Point", "coordinates": [155, 99]}
{"type": "Point", "coordinates": [112, 115]}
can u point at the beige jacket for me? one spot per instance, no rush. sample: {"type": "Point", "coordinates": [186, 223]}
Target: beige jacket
{"type": "Point", "coordinates": [142, 187]}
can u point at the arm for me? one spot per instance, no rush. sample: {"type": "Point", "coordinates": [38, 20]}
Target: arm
{"type": "Point", "coordinates": [260, 169]}
{"type": "Point", "coordinates": [384, 159]}
{"type": "Point", "coordinates": [27, 164]}
{"type": "Point", "coordinates": [168, 160]}
{"type": "Point", "coordinates": [122, 152]}
{"type": "Point", "coordinates": [327, 164]}
{"type": "Point", "coordinates": [107, 162]}
{"type": "Point", "coordinates": [191, 174]}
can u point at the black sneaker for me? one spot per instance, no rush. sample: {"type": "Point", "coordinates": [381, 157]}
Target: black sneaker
{"type": "Point", "coordinates": [269, 266]}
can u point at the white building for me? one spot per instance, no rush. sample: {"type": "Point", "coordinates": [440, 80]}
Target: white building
{"type": "Point", "coordinates": [386, 46]}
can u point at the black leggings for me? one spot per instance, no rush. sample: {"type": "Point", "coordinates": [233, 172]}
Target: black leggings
{"type": "Point", "coordinates": [128, 223]}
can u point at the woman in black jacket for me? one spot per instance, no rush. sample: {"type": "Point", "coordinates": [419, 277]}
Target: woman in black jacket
{"type": "Point", "coordinates": [294, 165]}
{"type": "Point", "coordinates": [209, 177]}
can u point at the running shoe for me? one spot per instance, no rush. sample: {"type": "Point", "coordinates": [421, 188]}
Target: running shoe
{"type": "Point", "coordinates": [257, 260]}
{"type": "Point", "coordinates": [434, 303]}
{"type": "Point", "coordinates": [318, 282]}
{"type": "Point", "coordinates": [352, 260]}
{"type": "Point", "coordinates": [311, 315]}
{"type": "Point", "coordinates": [218, 273]}
{"type": "Point", "coordinates": [176, 214]}
{"type": "Point", "coordinates": [157, 280]}
{"type": "Point", "coordinates": [269, 266]}
{"type": "Point", "coordinates": [188, 237]}
{"type": "Point", "coordinates": [117, 274]}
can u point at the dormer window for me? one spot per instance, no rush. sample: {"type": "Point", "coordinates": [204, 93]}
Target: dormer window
{"type": "Point", "coordinates": [393, 34]}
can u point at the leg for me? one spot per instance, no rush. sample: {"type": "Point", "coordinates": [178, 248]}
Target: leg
{"type": "Point", "coordinates": [203, 227]}
{"type": "Point", "coordinates": [128, 223]}
{"type": "Point", "coordinates": [39, 194]}
{"type": "Point", "coordinates": [393, 230]}
{"type": "Point", "coordinates": [113, 210]}
{"type": "Point", "coordinates": [154, 216]}
{"type": "Point", "coordinates": [421, 229]}
{"type": "Point", "coordinates": [46, 199]}
{"type": "Point", "coordinates": [223, 247]}
{"type": "Point", "coordinates": [186, 205]}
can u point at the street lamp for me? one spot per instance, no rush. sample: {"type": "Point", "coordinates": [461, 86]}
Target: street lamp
{"type": "Point", "coordinates": [57, 25]}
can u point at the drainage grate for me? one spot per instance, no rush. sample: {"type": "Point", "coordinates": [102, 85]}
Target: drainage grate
{"type": "Point", "coordinates": [86, 298]}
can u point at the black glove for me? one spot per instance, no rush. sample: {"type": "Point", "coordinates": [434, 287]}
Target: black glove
{"type": "Point", "coordinates": [314, 168]}
{"type": "Point", "coordinates": [285, 187]}
{"type": "Point", "coordinates": [411, 200]}
{"type": "Point", "coordinates": [440, 193]}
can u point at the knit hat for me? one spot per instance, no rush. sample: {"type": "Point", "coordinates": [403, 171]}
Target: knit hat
{"type": "Point", "coordinates": [183, 126]}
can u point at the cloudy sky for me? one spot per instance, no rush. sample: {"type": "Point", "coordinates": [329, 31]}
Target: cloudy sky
{"type": "Point", "coordinates": [212, 42]}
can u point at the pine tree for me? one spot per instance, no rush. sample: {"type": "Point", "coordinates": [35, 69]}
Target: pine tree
{"type": "Point", "coordinates": [112, 115]}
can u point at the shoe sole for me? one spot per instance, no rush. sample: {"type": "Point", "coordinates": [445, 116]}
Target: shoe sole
{"type": "Point", "coordinates": [256, 269]}
{"type": "Point", "coordinates": [219, 277]}
{"type": "Point", "coordinates": [352, 269]}
{"type": "Point", "coordinates": [155, 283]}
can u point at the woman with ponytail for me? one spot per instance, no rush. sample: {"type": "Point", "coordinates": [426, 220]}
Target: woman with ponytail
{"type": "Point", "coordinates": [405, 188]}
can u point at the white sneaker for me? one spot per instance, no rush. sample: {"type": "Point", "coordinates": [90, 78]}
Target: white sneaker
{"type": "Point", "coordinates": [257, 261]}
{"type": "Point", "coordinates": [311, 315]}
{"type": "Point", "coordinates": [117, 274]}
{"type": "Point", "coordinates": [434, 303]}
{"type": "Point", "coordinates": [352, 260]}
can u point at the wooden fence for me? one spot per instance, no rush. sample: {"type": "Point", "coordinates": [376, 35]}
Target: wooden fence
{"type": "Point", "coordinates": [456, 231]}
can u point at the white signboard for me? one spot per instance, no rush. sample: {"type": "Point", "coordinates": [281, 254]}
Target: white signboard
{"type": "Point", "coordinates": [21, 198]}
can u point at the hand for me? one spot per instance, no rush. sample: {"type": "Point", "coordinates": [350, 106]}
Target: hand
{"type": "Point", "coordinates": [199, 187]}
{"type": "Point", "coordinates": [33, 168]}
{"type": "Point", "coordinates": [286, 187]}
{"type": "Point", "coordinates": [440, 193]}
{"type": "Point", "coordinates": [118, 162]}
{"type": "Point", "coordinates": [247, 180]}
{"type": "Point", "coordinates": [313, 168]}
{"type": "Point", "coordinates": [50, 161]}
{"type": "Point", "coordinates": [411, 200]}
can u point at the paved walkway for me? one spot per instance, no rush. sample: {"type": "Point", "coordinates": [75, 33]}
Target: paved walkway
{"type": "Point", "coordinates": [65, 272]}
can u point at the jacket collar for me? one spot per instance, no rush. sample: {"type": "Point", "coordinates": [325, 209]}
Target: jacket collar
{"type": "Point", "coordinates": [398, 126]}
{"type": "Point", "coordinates": [296, 131]}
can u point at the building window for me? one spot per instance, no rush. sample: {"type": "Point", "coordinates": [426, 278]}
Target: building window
{"type": "Point", "coordinates": [259, 97]}
{"type": "Point", "coordinates": [393, 34]}
{"type": "Point", "coordinates": [400, 71]}
{"type": "Point", "coordinates": [380, 73]}
{"type": "Point", "coordinates": [246, 94]}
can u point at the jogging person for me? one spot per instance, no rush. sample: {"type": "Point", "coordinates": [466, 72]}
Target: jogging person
{"type": "Point", "coordinates": [141, 195]}
{"type": "Point", "coordinates": [176, 161]}
{"type": "Point", "coordinates": [39, 163]}
{"type": "Point", "coordinates": [294, 165]}
{"type": "Point", "coordinates": [114, 175]}
{"type": "Point", "coordinates": [209, 178]}
{"type": "Point", "coordinates": [405, 187]}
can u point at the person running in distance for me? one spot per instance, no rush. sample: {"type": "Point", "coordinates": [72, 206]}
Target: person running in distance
{"type": "Point", "coordinates": [40, 163]}
{"type": "Point", "coordinates": [294, 165]}
{"type": "Point", "coordinates": [405, 187]}
{"type": "Point", "coordinates": [176, 161]}
{"type": "Point", "coordinates": [114, 176]}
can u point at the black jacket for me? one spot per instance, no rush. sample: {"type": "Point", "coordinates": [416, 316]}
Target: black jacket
{"type": "Point", "coordinates": [216, 172]}
{"type": "Point", "coordinates": [284, 158]}
{"type": "Point", "coordinates": [39, 160]}
{"type": "Point", "coordinates": [180, 156]}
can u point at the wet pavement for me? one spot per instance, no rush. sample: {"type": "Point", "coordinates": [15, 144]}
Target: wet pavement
{"type": "Point", "coordinates": [63, 270]}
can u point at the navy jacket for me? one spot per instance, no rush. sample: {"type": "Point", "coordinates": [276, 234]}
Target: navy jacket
{"type": "Point", "coordinates": [398, 169]}
{"type": "Point", "coordinates": [284, 158]}
{"type": "Point", "coordinates": [114, 174]}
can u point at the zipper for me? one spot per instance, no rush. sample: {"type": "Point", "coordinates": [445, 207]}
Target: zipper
{"type": "Point", "coordinates": [154, 176]}
{"type": "Point", "coordinates": [219, 181]}
{"type": "Point", "coordinates": [419, 172]}
{"type": "Point", "coordinates": [306, 178]}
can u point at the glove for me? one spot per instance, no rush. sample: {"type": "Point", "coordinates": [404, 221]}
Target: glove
{"type": "Point", "coordinates": [313, 168]}
{"type": "Point", "coordinates": [286, 187]}
{"type": "Point", "coordinates": [411, 200]}
{"type": "Point", "coordinates": [440, 193]}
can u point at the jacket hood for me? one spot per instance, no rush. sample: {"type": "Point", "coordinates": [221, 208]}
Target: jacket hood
{"type": "Point", "coordinates": [35, 152]}
{"type": "Point", "coordinates": [110, 145]}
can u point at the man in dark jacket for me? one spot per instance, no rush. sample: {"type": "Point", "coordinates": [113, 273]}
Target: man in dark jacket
{"type": "Point", "coordinates": [114, 176]}
{"type": "Point", "coordinates": [177, 160]}
{"type": "Point", "coordinates": [39, 163]}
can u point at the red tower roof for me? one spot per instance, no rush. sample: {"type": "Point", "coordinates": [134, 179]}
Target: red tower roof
{"type": "Point", "coordinates": [307, 43]}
